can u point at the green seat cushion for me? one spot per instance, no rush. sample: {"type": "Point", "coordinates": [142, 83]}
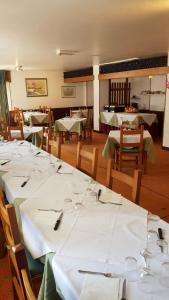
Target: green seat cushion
{"type": "Point", "coordinates": [131, 150]}
{"type": "Point", "coordinates": [34, 265]}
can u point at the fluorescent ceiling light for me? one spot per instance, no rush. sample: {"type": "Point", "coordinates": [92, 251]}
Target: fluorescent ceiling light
{"type": "Point", "coordinates": [119, 61]}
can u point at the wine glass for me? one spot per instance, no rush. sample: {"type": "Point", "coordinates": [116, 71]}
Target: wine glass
{"type": "Point", "coordinates": [131, 268]}
{"type": "Point", "coordinates": [162, 253]}
{"type": "Point", "coordinates": [152, 237]}
{"type": "Point", "coordinates": [146, 254]}
{"type": "Point", "coordinates": [164, 278]}
{"type": "Point", "coordinates": [68, 205]}
{"type": "Point", "coordinates": [146, 280]}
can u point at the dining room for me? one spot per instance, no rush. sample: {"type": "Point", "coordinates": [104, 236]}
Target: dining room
{"type": "Point", "coordinates": [84, 197]}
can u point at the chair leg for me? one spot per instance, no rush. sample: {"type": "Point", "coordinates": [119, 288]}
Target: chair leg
{"type": "Point", "coordinates": [144, 162]}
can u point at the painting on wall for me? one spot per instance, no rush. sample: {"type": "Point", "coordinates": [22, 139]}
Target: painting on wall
{"type": "Point", "coordinates": [36, 87]}
{"type": "Point", "coordinates": [68, 91]}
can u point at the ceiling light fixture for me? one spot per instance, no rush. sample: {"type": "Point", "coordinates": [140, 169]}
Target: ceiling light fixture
{"type": "Point", "coordinates": [19, 68]}
{"type": "Point", "coordinates": [66, 52]}
{"type": "Point", "coordinates": [119, 61]}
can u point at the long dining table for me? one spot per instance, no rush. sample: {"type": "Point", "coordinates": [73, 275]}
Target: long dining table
{"type": "Point", "coordinates": [95, 234]}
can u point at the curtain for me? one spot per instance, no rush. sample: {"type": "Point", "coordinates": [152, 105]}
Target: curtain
{"type": "Point", "coordinates": [4, 108]}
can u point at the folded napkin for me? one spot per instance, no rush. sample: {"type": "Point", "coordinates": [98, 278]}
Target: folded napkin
{"type": "Point", "coordinates": [107, 196]}
{"type": "Point", "coordinates": [98, 287]}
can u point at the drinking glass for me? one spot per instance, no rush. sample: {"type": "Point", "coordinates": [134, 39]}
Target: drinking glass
{"type": "Point", "coordinates": [131, 268]}
{"type": "Point", "coordinates": [68, 205]}
{"type": "Point", "coordinates": [146, 280]}
{"type": "Point", "coordinates": [147, 255]}
{"type": "Point", "coordinates": [162, 253]}
{"type": "Point", "coordinates": [164, 278]}
{"type": "Point", "coordinates": [152, 237]}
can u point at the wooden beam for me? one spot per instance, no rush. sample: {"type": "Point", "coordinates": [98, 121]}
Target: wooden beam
{"type": "Point", "coordinates": [135, 73]}
{"type": "Point", "coordinates": [79, 79]}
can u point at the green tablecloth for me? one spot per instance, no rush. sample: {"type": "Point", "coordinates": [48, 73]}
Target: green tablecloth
{"type": "Point", "coordinates": [113, 120]}
{"type": "Point", "coordinates": [34, 138]}
{"type": "Point", "coordinates": [111, 143]}
{"type": "Point", "coordinates": [34, 120]}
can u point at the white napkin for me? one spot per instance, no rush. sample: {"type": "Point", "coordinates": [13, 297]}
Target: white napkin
{"type": "Point", "coordinates": [97, 287]}
{"type": "Point", "coordinates": [108, 196]}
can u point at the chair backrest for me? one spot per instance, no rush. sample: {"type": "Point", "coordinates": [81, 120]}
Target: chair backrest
{"type": "Point", "coordinates": [9, 221]}
{"type": "Point", "coordinates": [137, 136]}
{"type": "Point", "coordinates": [75, 113]}
{"type": "Point", "coordinates": [129, 125]}
{"type": "Point", "coordinates": [133, 182]}
{"type": "Point", "coordinates": [51, 141]}
{"type": "Point", "coordinates": [19, 136]}
{"type": "Point", "coordinates": [54, 144]}
{"type": "Point", "coordinates": [27, 285]}
{"type": "Point", "coordinates": [91, 156]}
{"type": "Point", "coordinates": [50, 117]}
{"type": "Point", "coordinates": [16, 251]}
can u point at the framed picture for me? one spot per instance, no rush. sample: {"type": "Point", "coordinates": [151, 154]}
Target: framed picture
{"type": "Point", "coordinates": [68, 91]}
{"type": "Point", "coordinates": [36, 87]}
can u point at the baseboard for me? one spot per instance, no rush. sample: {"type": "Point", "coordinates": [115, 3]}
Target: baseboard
{"type": "Point", "coordinates": [165, 148]}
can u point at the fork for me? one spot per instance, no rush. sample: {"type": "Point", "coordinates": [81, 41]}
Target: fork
{"type": "Point", "coordinates": [96, 273]}
{"type": "Point", "coordinates": [50, 209]}
{"type": "Point", "coordinates": [109, 202]}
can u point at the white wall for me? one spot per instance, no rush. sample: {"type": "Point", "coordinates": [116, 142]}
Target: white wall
{"type": "Point", "coordinates": [54, 81]}
{"type": "Point", "coordinates": [104, 93]}
{"type": "Point", "coordinates": [137, 86]}
{"type": "Point", "coordinates": [158, 83]}
{"type": "Point", "coordinates": [152, 102]}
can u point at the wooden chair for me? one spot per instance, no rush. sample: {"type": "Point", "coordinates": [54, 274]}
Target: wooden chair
{"type": "Point", "coordinates": [133, 182]}
{"type": "Point", "coordinates": [75, 113]}
{"type": "Point", "coordinates": [87, 129]}
{"type": "Point", "coordinates": [128, 151]}
{"type": "Point", "coordinates": [3, 128]}
{"type": "Point", "coordinates": [50, 141]}
{"type": "Point", "coordinates": [91, 156]}
{"type": "Point", "coordinates": [19, 257]}
{"type": "Point", "coordinates": [50, 118]}
{"type": "Point", "coordinates": [20, 134]}
{"type": "Point", "coordinates": [27, 285]}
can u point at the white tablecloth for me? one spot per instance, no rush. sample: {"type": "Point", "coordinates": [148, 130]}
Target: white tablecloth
{"type": "Point", "coordinates": [39, 115]}
{"type": "Point", "coordinates": [27, 131]}
{"type": "Point", "coordinates": [68, 123]}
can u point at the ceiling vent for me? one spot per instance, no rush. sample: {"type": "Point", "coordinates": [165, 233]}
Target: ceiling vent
{"type": "Point", "coordinates": [66, 52]}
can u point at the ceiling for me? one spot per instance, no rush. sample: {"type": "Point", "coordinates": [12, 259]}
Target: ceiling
{"type": "Point", "coordinates": [101, 30]}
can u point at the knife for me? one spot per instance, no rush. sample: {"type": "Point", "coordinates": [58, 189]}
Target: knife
{"type": "Point", "coordinates": [58, 168]}
{"type": "Point", "coordinates": [161, 237]}
{"type": "Point", "coordinates": [37, 153]}
{"type": "Point", "coordinates": [160, 234]}
{"type": "Point", "coordinates": [25, 182]}
{"type": "Point", "coordinates": [4, 163]}
{"type": "Point", "coordinates": [99, 194]}
{"type": "Point", "coordinates": [124, 290]}
{"type": "Point", "coordinates": [57, 224]}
